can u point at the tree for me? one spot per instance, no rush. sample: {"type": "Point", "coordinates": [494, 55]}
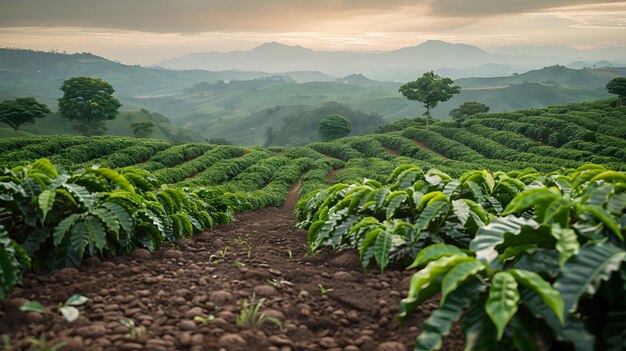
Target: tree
{"type": "Point", "coordinates": [142, 129]}
{"type": "Point", "coordinates": [90, 102]}
{"type": "Point", "coordinates": [21, 111]}
{"type": "Point", "coordinates": [430, 89]}
{"type": "Point", "coordinates": [618, 86]}
{"type": "Point", "coordinates": [468, 108]}
{"type": "Point", "coordinates": [333, 127]}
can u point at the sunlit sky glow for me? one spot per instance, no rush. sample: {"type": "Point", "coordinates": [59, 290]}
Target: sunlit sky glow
{"type": "Point", "coordinates": [148, 31]}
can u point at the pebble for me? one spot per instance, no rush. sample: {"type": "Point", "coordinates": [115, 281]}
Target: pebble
{"type": "Point", "coordinates": [184, 339]}
{"type": "Point", "coordinates": [275, 271]}
{"type": "Point", "coordinates": [92, 331]}
{"type": "Point", "coordinates": [265, 290]}
{"type": "Point", "coordinates": [197, 339]}
{"type": "Point", "coordinates": [221, 297]}
{"type": "Point", "coordinates": [363, 340]}
{"type": "Point", "coordinates": [66, 274]}
{"type": "Point", "coordinates": [232, 342]}
{"type": "Point", "coordinates": [172, 254]}
{"type": "Point", "coordinates": [194, 312]}
{"type": "Point", "coordinates": [33, 317]}
{"type": "Point", "coordinates": [328, 342]}
{"type": "Point", "coordinates": [279, 340]}
{"type": "Point", "coordinates": [130, 346]}
{"type": "Point", "coordinates": [391, 346]}
{"type": "Point", "coordinates": [187, 324]}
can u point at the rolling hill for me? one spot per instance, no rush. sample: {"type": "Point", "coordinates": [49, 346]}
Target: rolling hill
{"type": "Point", "coordinates": [230, 104]}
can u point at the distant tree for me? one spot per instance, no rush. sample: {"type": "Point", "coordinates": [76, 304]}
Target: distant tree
{"type": "Point", "coordinates": [468, 108]}
{"type": "Point", "coordinates": [142, 129]}
{"type": "Point", "coordinates": [618, 86]}
{"type": "Point", "coordinates": [21, 111]}
{"type": "Point", "coordinates": [430, 89]}
{"type": "Point", "coordinates": [89, 102]}
{"type": "Point", "coordinates": [219, 141]}
{"type": "Point", "coordinates": [333, 127]}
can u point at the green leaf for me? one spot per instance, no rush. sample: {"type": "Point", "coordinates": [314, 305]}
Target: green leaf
{"type": "Point", "coordinates": [64, 227]}
{"type": "Point", "coordinates": [43, 166]}
{"type": "Point", "coordinates": [108, 218]}
{"type": "Point", "coordinates": [46, 202]}
{"type": "Point", "coordinates": [394, 200]}
{"type": "Point", "coordinates": [610, 176]}
{"type": "Point", "coordinates": [426, 283]}
{"type": "Point", "coordinates": [433, 253]}
{"type": "Point", "coordinates": [566, 243]}
{"type": "Point", "coordinates": [113, 177]}
{"type": "Point", "coordinates": [76, 300]}
{"type": "Point", "coordinates": [573, 330]}
{"type": "Point", "coordinates": [451, 188]}
{"type": "Point", "coordinates": [491, 235]}
{"type": "Point", "coordinates": [461, 210]}
{"type": "Point", "coordinates": [550, 297]}
{"type": "Point", "coordinates": [530, 198]}
{"type": "Point", "coordinates": [32, 306]}
{"type": "Point", "coordinates": [70, 313]}
{"type": "Point", "coordinates": [443, 318]}
{"type": "Point", "coordinates": [459, 275]}
{"type": "Point", "coordinates": [606, 218]}
{"type": "Point", "coordinates": [95, 232]}
{"type": "Point", "coordinates": [501, 305]}
{"type": "Point", "coordinates": [369, 240]}
{"type": "Point", "coordinates": [584, 272]}
{"type": "Point", "coordinates": [430, 212]}
{"type": "Point", "coordinates": [81, 194]}
{"type": "Point", "coordinates": [381, 250]}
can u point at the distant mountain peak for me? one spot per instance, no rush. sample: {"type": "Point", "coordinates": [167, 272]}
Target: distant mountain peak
{"type": "Point", "coordinates": [273, 45]}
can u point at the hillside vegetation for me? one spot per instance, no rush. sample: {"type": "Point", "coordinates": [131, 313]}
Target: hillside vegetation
{"type": "Point", "coordinates": [505, 209]}
{"type": "Point", "coordinates": [230, 104]}
{"type": "Point", "coordinates": [163, 129]}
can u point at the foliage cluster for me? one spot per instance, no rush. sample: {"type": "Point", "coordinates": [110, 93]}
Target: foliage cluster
{"type": "Point", "coordinates": [522, 258]}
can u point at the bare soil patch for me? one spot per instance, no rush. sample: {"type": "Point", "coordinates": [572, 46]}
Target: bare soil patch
{"type": "Point", "coordinates": [426, 147]}
{"type": "Point", "coordinates": [263, 253]}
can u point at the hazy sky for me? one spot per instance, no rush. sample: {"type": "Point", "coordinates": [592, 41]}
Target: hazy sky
{"type": "Point", "coordinates": [148, 31]}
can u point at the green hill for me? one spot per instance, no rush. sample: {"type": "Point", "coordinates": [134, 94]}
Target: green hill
{"type": "Point", "coordinates": [57, 125]}
{"type": "Point", "coordinates": [231, 104]}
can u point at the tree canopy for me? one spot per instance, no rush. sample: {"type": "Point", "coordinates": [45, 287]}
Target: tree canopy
{"type": "Point", "coordinates": [142, 129]}
{"type": "Point", "coordinates": [334, 127]}
{"type": "Point", "coordinates": [617, 86]}
{"type": "Point", "coordinates": [430, 89]}
{"type": "Point", "coordinates": [468, 108]}
{"type": "Point", "coordinates": [89, 102]}
{"type": "Point", "coordinates": [17, 112]}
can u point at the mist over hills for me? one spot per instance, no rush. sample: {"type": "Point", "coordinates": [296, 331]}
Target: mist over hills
{"type": "Point", "coordinates": [456, 60]}
{"type": "Point", "coordinates": [241, 105]}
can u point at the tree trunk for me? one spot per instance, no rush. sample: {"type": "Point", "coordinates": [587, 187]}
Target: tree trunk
{"type": "Point", "coordinates": [427, 115]}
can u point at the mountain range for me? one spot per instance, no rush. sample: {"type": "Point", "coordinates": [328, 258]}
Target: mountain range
{"type": "Point", "coordinates": [242, 106]}
{"type": "Point", "coordinates": [456, 60]}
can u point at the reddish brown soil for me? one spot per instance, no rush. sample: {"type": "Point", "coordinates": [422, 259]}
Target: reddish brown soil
{"type": "Point", "coordinates": [333, 174]}
{"type": "Point", "coordinates": [391, 151]}
{"type": "Point", "coordinates": [424, 146]}
{"type": "Point", "coordinates": [165, 290]}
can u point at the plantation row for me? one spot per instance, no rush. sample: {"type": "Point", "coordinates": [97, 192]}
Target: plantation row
{"type": "Point", "coordinates": [522, 257]}
{"type": "Point", "coordinates": [505, 213]}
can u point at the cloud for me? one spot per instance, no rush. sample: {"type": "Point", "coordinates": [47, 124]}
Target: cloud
{"type": "Point", "coordinates": [169, 16]}
{"type": "Point", "coordinates": [481, 8]}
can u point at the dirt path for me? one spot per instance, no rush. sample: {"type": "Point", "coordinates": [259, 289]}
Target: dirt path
{"type": "Point", "coordinates": [426, 147]}
{"type": "Point", "coordinates": [391, 151]}
{"type": "Point", "coordinates": [259, 253]}
{"type": "Point", "coordinates": [333, 174]}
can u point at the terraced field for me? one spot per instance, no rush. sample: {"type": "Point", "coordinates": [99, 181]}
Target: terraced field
{"type": "Point", "coordinates": [455, 195]}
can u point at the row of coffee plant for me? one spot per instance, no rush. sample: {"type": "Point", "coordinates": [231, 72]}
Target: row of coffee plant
{"type": "Point", "coordinates": [51, 218]}
{"type": "Point", "coordinates": [522, 260]}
